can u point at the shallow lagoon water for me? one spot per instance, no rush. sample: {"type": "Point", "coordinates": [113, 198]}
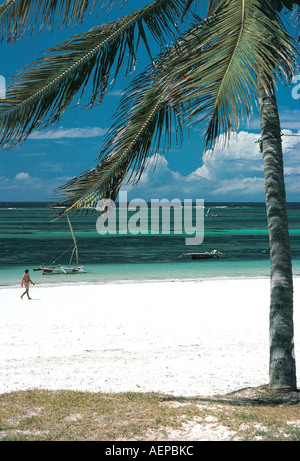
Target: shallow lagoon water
{"type": "Point", "coordinates": [28, 238]}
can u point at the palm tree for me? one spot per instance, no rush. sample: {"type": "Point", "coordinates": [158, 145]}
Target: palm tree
{"type": "Point", "coordinates": [210, 76]}
{"type": "Point", "coordinates": [282, 366]}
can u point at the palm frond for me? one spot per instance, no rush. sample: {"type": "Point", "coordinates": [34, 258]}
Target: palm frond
{"type": "Point", "coordinates": [147, 115]}
{"type": "Point", "coordinates": [246, 41]}
{"type": "Point", "coordinates": [188, 5]}
{"type": "Point", "coordinates": [294, 16]}
{"type": "Point", "coordinates": [43, 91]}
{"type": "Point", "coordinates": [214, 5]}
{"type": "Point", "coordinates": [208, 77]}
{"type": "Point", "coordinates": [17, 17]}
{"type": "Point", "coordinates": [144, 119]}
{"type": "Point", "coordinates": [279, 4]}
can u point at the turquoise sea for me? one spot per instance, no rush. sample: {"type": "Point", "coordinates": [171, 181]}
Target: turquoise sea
{"type": "Point", "coordinates": [28, 238]}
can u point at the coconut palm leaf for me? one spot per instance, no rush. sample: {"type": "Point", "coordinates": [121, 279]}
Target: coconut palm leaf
{"type": "Point", "coordinates": [213, 5]}
{"type": "Point", "coordinates": [144, 118]}
{"type": "Point", "coordinates": [278, 5]}
{"type": "Point", "coordinates": [20, 16]}
{"type": "Point", "coordinates": [207, 77]}
{"type": "Point", "coordinates": [294, 16]}
{"type": "Point", "coordinates": [248, 40]}
{"type": "Point", "coordinates": [42, 92]}
{"type": "Point", "coordinates": [188, 5]}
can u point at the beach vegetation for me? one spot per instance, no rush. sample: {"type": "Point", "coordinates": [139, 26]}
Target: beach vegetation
{"type": "Point", "coordinates": [209, 73]}
{"type": "Point", "coordinates": [40, 415]}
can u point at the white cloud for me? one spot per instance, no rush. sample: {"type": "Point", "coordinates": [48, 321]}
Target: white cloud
{"type": "Point", "coordinates": [241, 157]}
{"type": "Point", "coordinates": [33, 154]}
{"type": "Point", "coordinates": [89, 132]}
{"type": "Point", "coordinates": [290, 139]}
{"type": "Point", "coordinates": [231, 174]}
{"type": "Point", "coordinates": [234, 173]}
{"type": "Point", "coordinates": [22, 176]}
{"type": "Point", "coordinates": [241, 154]}
{"type": "Point", "coordinates": [289, 119]}
{"type": "Point", "coordinates": [292, 171]}
{"type": "Point", "coordinates": [242, 145]}
{"type": "Point", "coordinates": [202, 172]}
{"type": "Point", "coordinates": [249, 187]}
{"type": "Point", "coordinates": [24, 187]}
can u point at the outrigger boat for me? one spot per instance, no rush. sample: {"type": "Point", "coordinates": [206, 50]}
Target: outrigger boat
{"type": "Point", "coordinates": [62, 270]}
{"type": "Point", "coordinates": [204, 255]}
{"type": "Point", "coordinates": [209, 214]}
{"type": "Point", "coordinates": [58, 269]}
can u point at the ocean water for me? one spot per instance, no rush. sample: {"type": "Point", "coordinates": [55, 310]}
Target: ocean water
{"type": "Point", "coordinates": [29, 238]}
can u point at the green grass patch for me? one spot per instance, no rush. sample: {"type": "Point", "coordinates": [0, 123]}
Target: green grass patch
{"type": "Point", "coordinates": [74, 416]}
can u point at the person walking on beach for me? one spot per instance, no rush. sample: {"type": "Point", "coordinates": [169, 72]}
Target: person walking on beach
{"type": "Point", "coordinates": [26, 280]}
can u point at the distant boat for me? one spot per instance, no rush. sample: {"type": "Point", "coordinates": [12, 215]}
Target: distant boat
{"type": "Point", "coordinates": [209, 214]}
{"type": "Point", "coordinates": [62, 270]}
{"type": "Point", "coordinates": [204, 255]}
{"type": "Point", "coordinates": [58, 269]}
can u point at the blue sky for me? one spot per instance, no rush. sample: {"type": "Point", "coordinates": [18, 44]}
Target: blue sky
{"type": "Point", "coordinates": [32, 171]}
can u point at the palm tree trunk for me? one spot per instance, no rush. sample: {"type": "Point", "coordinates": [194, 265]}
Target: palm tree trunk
{"type": "Point", "coordinates": [282, 366]}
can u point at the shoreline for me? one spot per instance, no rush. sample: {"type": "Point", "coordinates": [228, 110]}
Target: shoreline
{"type": "Point", "coordinates": [141, 281]}
{"type": "Point", "coordinates": [206, 337]}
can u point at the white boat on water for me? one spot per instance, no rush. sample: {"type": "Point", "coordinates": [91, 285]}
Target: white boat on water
{"type": "Point", "coordinates": [57, 268]}
{"type": "Point", "coordinates": [203, 255]}
{"type": "Point", "coordinates": [61, 270]}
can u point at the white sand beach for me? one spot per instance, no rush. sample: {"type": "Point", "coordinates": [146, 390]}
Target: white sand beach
{"type": "Point", "coordinates": [184, 338]}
